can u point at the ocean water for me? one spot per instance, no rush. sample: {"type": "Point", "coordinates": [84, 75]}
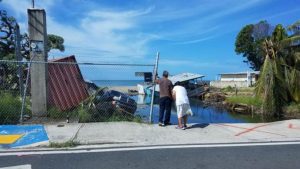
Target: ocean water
{"type": "Point", "coordinates": [102, 83]}
{"type": "Point", "coordinates": [202, 114]}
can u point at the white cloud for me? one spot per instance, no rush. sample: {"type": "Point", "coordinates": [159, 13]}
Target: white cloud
{"type": "Point", "coordinates": [106, 32]}
{"type": "Point", "coordinates": [197, 40]}
{"type": "Point", "coordinates": [19, 7]}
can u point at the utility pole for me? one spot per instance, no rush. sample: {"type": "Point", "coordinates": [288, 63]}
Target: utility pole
{"type": "Point", "coordinates": [38, 54]}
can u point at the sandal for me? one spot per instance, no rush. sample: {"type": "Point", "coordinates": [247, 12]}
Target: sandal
{"type": "Point", "coordinates": [182, 128]}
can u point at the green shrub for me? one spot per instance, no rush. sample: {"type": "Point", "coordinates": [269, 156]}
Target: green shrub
{"type": "Point", "coordinates": [10, 108]}
{"type": "Point", "coordinates": [247, 89]}
{"type": "Point", "coordinates": [117, 116]}
{"type": "Point", "coordinates": [248, 100]}
{"type": "Point", "coordinates": [55, 113]}
{"type": "Point", "coordinates": [293, 108]}
{"type": "Point", "coordinates": [84, 115]}
{"type": "Point", "coordinates": [228, 89]}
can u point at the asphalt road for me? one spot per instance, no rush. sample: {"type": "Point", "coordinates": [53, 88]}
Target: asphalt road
{"type": "Point", "coordinates": [249, 157]}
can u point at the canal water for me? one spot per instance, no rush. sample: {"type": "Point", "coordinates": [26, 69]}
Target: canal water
{"type": "Point", "coordinates": [201, 113]}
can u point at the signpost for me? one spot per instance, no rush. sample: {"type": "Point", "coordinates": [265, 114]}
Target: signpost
{"type": "Point", "coordinates": [153, 87]}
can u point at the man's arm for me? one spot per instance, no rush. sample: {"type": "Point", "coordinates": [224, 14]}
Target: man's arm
{"type": "Point", "coordinates": [156, 79]}
{"type": "Point", "coordinates": [174, 94]}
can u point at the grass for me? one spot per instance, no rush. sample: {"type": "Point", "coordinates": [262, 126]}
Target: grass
{"type": "Point", "coordinates": [10, 108]}
{"type": "Point", "coordinates": [292, 109]}
{"type": "Point", "coordinates": [228, 89]}
{"type": "Point", "coordinates": [246, 91]}
{"type": "Point", "coordinates": [63, 145]}
{"type": "Point", "coordinates": [55, 113]}
{"type": "Point", "coordinates": [248, 100]}
{"type": "Point", "coordinates": [120, 117]}
{"type": "Point", "coordinates": [84, 115]}
{"type": "Point", "coordinates": [91, 111]}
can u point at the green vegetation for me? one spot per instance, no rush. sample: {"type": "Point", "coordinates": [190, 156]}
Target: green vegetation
{"type": "Point", "coordinates": [10, 108]}
{"type": "Point", "coordinates": [293, 109]}
{"type": "Point", "coordinates": [55, 113]}
{"type": "Point", "coordinates": [84, 116]}
{"type": "Point", "coordinates": [8, 25]}
{"type": "Point", "coordinates": [92, 116]}
{"type": "Point", "coordinates": [120, 117]}
{"type": "Point", "coordinates": [276, 52]}
{"type": "Point", "coordinates": [246, 89]}
{"type": "Point", "coordinates": [63, 145]}
{"type": "Point", "coordinates": [93, 110]}
{"type": "Point", "coordinates": [248, 100]}
{"type": "Point", "coordinates": [228, 89]}
{"type": "Point", "coordinates": [249, 43]}
{"type": "Point", "coordinates": [8, 71]}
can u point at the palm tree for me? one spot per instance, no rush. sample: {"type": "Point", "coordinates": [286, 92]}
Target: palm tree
{"type": "Point", "coordinates": [292, 43]}
{"type": "Point", "coordinates": [279, 80]}
{"type": "Point", "coordinates": [270, 85]}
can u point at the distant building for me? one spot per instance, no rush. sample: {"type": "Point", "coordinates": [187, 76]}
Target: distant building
{"type": "Point", "coordinates": [238, 79]}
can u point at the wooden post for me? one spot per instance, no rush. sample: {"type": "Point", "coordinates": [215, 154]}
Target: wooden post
{"type": "Point", "coordinates": [235, 89]}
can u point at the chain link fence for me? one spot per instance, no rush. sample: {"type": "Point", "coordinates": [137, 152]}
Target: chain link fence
{"type": "Point", "coordinates": [75, 92]}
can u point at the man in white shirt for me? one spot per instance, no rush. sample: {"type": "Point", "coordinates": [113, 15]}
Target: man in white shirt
{"type": "Point", "coordinates": [179, 94]}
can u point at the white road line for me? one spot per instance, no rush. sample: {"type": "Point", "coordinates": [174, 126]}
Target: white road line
{"type": "Point", "coordinates": [70, 151]}
{"type": "Point", "coordinates": [27, 166]}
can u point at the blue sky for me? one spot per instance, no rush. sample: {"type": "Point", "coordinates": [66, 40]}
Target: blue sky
{"type": "Point", "coordinates": [192, 36]}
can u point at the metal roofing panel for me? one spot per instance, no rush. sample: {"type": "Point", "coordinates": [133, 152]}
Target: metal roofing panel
{"type": "Point", "coordinates": [66, 85]}
{"type": "Point", "coordinates": [184, 77]}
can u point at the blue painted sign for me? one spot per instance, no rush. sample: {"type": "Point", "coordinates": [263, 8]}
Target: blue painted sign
{"type": "Point", "coordinates": [31, 134]}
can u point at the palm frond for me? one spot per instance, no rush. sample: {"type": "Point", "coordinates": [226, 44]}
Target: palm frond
{"type": "Point", "coordinates": [271, 84]}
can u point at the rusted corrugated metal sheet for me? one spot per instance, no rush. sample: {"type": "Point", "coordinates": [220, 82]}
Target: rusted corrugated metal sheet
{"type": "Point", "coordinates": [66, 86]}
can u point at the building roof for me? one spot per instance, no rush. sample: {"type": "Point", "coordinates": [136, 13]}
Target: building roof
{"type": "Point", "coordinates": [66, 85]}
{"type": "Point", "coordinates": [241, 73]}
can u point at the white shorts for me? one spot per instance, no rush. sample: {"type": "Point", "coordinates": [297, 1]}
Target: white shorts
{"type": "Point", "coordinates": [183, 110]}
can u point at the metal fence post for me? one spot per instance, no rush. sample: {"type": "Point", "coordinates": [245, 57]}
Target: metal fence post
{"type": "Point", "coordinates": [24, 94]}
{"type": "Point", "coordinates": [19, 58]}
{"type": "Point", "coordinates": [153, 87]}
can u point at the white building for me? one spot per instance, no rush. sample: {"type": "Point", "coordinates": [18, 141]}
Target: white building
{"type": "Point", "coordinates": [238, 79]}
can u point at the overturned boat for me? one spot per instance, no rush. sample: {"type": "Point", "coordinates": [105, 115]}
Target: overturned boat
{"type": "Point", "coordinates": [192, 82]}
{"type": "Point", "coordinates": [114, 99]}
